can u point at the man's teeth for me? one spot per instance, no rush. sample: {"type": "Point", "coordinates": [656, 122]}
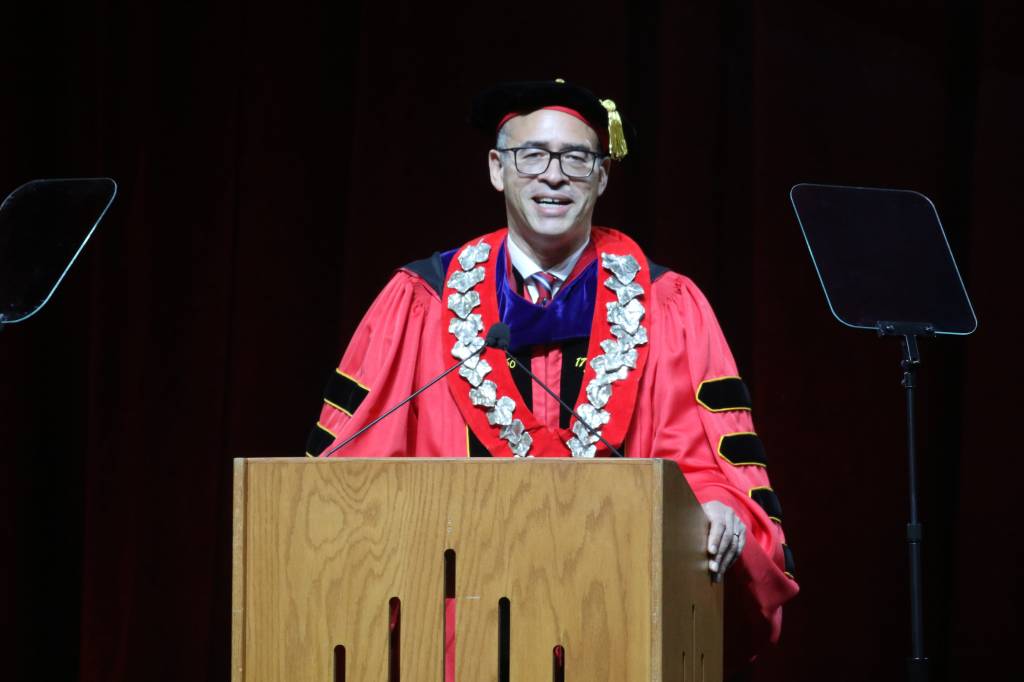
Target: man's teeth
{"type": "Point", "coordinates": [556, 202]}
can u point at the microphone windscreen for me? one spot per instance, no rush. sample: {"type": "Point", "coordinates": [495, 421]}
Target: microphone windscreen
{"type": "Point", "coordinates": [498, 336]}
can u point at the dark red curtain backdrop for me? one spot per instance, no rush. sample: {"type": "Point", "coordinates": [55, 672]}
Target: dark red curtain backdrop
{"type": "Point", "coordinates": [277, 160]}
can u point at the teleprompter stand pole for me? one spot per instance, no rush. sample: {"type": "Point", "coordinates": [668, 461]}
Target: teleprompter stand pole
{"type": "Point", "coordinates": [917, 664]}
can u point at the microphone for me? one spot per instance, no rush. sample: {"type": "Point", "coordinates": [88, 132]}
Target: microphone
{"type": "Point", "coordinates": [502, 334]}
{"type": "Point", "coordinates": [497, 337]}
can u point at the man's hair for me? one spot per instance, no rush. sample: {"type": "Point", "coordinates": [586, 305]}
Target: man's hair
{"type": "Point", "coordinates": [502, 141]}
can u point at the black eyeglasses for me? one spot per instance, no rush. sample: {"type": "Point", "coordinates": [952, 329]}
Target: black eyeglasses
{"type": "Point", "coordinates": [575, 163]}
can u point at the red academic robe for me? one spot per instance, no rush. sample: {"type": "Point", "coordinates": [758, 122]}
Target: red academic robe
{"type": "Point", "coordinates": [685, 409]}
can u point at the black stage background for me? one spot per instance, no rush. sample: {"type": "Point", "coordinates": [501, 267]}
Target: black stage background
{"type": "Point", "coordinates": [276, 161]}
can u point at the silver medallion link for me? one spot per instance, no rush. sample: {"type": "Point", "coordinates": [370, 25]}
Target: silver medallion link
{"type": "Point", "coordinates": [623, 267]}
{"type": "Point", "coordinates": [473, 254]}
{"type": "Point", "coordinates": [484, 395]}
{"type": "Point", "coordinates": [626, 316]}
{"type": "Point", "coordinates": [475, 375]}
{"type": "Point", "coordinates": [625, 292]}
{"type": "Point", "coordinates": [465, 329]}
{"type": "Point", "coordinates": [501, 413]}
{"type": "Point", "coordinates": [463, 304]}
{"type": "Point", "coordinates": [464, 350]}
{"type": "Point", "coordinates": [519, 439]}
{"type": "Point", "coordinates": [464, 280]}
{"type": "Point", "coordinates": [637, 338]}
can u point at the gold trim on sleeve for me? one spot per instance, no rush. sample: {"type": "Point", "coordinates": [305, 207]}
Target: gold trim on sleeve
{"type": "Point", "coordinates": [353, 380]}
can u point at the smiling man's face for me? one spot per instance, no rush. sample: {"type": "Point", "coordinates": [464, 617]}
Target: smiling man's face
{"type": "Point", "coordinates": [551, 212]}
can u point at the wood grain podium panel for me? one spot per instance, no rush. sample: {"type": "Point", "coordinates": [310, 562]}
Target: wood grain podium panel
{"type": "Point", "coordinates": [602, 557]}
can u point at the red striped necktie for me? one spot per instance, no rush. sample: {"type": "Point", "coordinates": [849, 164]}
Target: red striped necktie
{"type": "Point", "coordinates": [545, 284]}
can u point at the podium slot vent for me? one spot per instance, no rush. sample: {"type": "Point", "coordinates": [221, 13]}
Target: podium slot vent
{"type": "Point", "coordinates": [394, 639]}
{"type": "Point", "coordinates": [339, 663]}
{"type": "Point", "coordinates": [504, 638]}
{"type": "Point", "coordinates": [449, 615]}
{"type": "Point", "coordinates": [558, 663]}
{"type": "Point", "coordinates": [449, 574]}
{"type": "Point", "coordinates": [693, 640]}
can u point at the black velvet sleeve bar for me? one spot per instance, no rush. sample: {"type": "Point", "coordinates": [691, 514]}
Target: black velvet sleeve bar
{"type": "Point", "coordinates": [319, 439]}
{"type": "Point", "coordinates": [743, 449]}
{"type": "Point", "coordinates": [344, 393]}
{"type": "Point", "coordinates": [723, 394]}
{"type": "Point", "coordinates": [769, 501]}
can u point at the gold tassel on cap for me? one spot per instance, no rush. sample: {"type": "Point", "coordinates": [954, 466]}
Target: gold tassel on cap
{"type": "Point", "coordinates": [616, 136]}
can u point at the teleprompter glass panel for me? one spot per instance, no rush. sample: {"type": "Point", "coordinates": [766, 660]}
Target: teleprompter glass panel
{"type": "Point", "coordinates": [882, 256]}
{"type": "Point", "coordinates": [44, 225]}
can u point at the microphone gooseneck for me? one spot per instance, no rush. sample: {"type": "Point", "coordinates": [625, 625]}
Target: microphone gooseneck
{"type": "Point", "coordinates": [525, 368]}
{"type": "Point", "coordinates": [498, 336]}
{"type": "Point", "coordinates": [498, 333]}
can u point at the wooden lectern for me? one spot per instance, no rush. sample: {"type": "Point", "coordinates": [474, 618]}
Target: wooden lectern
{"type": "Point", "coordinates": [531, 570]}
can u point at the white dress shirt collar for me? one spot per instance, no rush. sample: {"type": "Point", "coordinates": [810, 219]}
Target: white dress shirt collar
{"type": "Point", "coordinates": [526, 266]}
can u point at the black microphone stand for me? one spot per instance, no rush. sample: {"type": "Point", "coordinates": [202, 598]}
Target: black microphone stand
{"type": "Point", "coordinates": [917, 664]}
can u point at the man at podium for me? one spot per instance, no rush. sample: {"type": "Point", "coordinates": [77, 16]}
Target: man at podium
{"type": "Point", "coordinates": [634, 347]}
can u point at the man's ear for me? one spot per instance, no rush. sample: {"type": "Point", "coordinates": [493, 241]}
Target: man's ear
{"type": "Point", "coordinates": [496, 168]}
{"type": "Point", "coordinates": [602, 175]}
